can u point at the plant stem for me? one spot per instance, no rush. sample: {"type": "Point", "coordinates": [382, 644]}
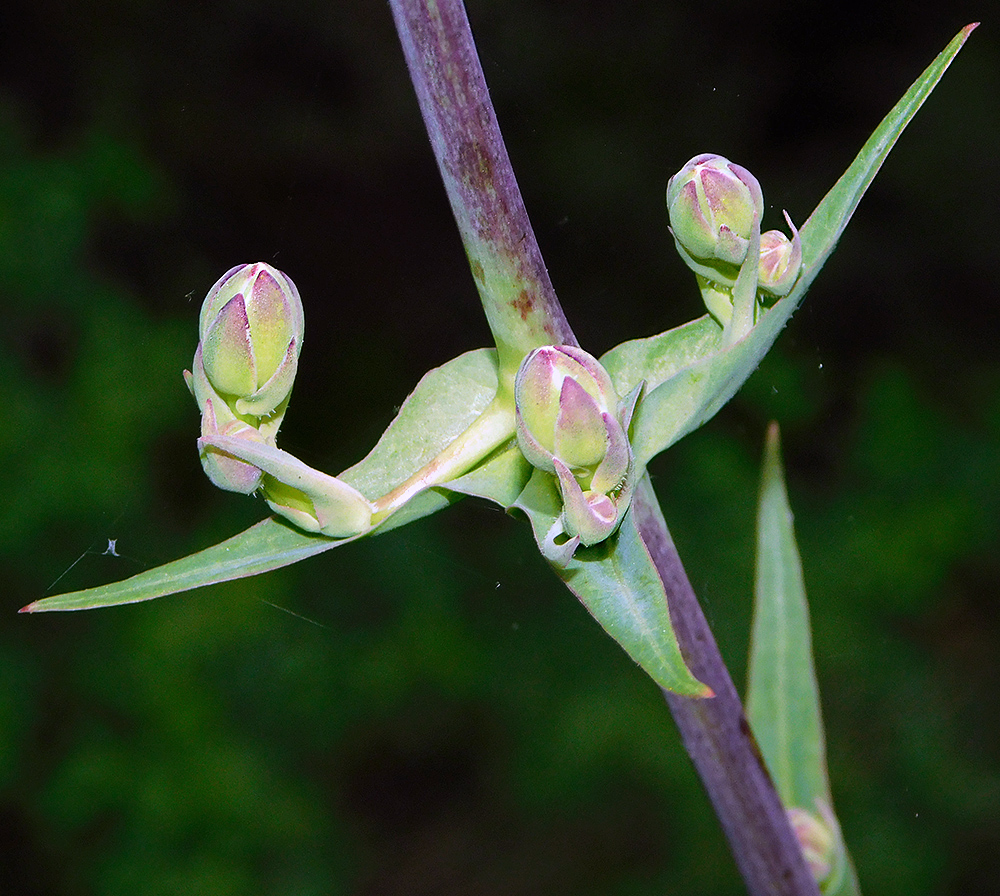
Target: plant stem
{"type": "Point", "coordinates": [517, 295]}
{"type": "Point", "coordinates": [524, 312]}
{"type": "Point", "coordinates": [717, 735]}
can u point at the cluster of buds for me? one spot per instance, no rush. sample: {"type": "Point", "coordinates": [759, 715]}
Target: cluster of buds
{"type": "Point", "coordinates": [250, 330]}
{"type": "Point", "coordinates": [571, 423]}
{"type": "Point", "coordinates": [715, 209]}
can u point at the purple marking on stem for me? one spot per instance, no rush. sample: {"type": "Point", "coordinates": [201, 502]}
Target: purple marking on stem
{"type": "Point", "coordinates": [477, 173]}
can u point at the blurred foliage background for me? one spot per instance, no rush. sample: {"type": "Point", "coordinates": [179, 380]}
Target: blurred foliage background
{"type": "Point", "coordinates": [430, 711]}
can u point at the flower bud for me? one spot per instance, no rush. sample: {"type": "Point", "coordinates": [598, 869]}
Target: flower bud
{"type": "Point", "coordinates": [819, 838]}
{"type": "Point", "coordinates": [562, 394]}
{"type": "Point", "coordinates": [251, 329]}
{"type": "Point", "coordinates": [780, 260]}
{"type": "Point", "coordinates": [570, 422]}
{"type": "Point", "coordinates": [714, 206]}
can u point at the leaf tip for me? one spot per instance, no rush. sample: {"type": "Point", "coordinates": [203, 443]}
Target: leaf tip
{"type": "Point", "coordinates": [30, 608]}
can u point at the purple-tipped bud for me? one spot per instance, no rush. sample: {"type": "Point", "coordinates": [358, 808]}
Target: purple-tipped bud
{"type": "Point", "coordinates": [251, 329]}
{"type": "Point", "coordinates": [819, 838]}
{"type": "Point", "coordinates": [713, 205]}
{"type": "Point", "coordinates": [562, 395]}
{"type": "Point", "coordinates": [570, 422]}
{"type": "Point", "coordinates": [780, 260]}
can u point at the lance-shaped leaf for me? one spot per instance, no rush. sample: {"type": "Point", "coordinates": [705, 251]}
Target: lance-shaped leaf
{"type": "Point", "coordinates": [446, 401]}
{"type": "Point", "coordinates": [617, 582]}
{"type": "Point", "coordinates": [681, 393]}
{"type": "Point", "coordinates": [783, 703]}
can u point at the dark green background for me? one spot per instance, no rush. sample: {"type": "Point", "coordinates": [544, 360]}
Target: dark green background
{"type": "Point", "coordinates": [451, 721]}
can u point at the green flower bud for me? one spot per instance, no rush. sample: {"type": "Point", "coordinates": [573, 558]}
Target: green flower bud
{"type": "Point", "coordinates": [570, 422]}
{"type": "Point", "coordinates": [251, 329]}
{"type": "Point", "coordinates": [780, 260]}
{"type": "Point", "coordinates": [714, 206]}
{"type": "Point", "coordinates": [562, 394]}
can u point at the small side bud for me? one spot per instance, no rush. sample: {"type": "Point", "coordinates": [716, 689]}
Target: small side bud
{"type": "Point", "coordinates": [780, 260]}
{"type": "Point", "coordinates": [714, 206]}
{"type": "Point", "coordinates": [819, 837]}
{"type": "Point", "coordinates": [570, 422]}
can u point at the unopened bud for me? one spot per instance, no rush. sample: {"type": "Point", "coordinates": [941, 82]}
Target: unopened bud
{"type": "Point", "coordinates": [570, 422]}
{"type": "Point", "coordinates": [251, 329]}
{"type": "Point", "coordinates": [714, 206]}
{"type": "Point", "coordinates": [819, 838]}
{"type": "Point", "coordinates": [780, 260]}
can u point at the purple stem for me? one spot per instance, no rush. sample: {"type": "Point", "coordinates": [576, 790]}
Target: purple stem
{"type": "Point", "coordinates": [518, 297]}
{"type": "Point", "coordinates": [524, 313]}
{"type": "Point", "coordinates": [717, 735]}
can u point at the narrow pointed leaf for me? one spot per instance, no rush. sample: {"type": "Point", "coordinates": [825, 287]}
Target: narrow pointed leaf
{"type": "Point", "coordinates": [444, 403]}
{"type": "Point", "coordinates": [691, 393]}
{"type": "Point", "coordinates": [782, 694]}
{"type": "Point", "coordinates": [783, 704]}
{"type": "Point", "coordinates": [267, 545]}
{"type": "Point", "coordinates": [618, 583]}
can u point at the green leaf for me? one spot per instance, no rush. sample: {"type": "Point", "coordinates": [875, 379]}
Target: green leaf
{"type": "Point", "coordinates": [782, 695]}
{"type": "Point", "coordinates": [269, 544]}
{"type": "Point", "coordinates": [783, 704]}
{"type": "Point", "coordinates": [691, 393]}
{"type": "Point", "coordinates": [695, 393]}
{"type": "Point", "coordinates": [618, 583]}
{"type": "Point", "coordinates": [501, 477]}
{"type": "Point", "coordinates": [443, 405]}
{"type": "Point", "coordinates": [656, 359]}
